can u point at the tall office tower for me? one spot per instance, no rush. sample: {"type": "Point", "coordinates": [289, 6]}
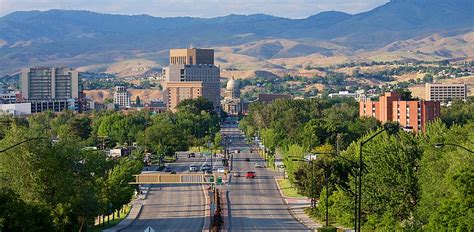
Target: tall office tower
{"type": "Point", "coordinates": [188, 81]}
{"type": "Point", "coordinates": [410, 114]}
{"type": "Point", "coordinates": [49, 83]}
{"type": "Point", "coordinates": [52, 88]}
{"type": "Point", "coordinates": [191, 56]}
{"type": "Point", "coordinates": [122, 97]}
{"type": "Point", "coordinates": [446, 92]}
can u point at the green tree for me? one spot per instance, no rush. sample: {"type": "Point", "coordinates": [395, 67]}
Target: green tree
{"type": "Point", "coordinates": [447, 195]}
{"type": "Point", "coordinates": [459, 112]}
{"type": "Point", "coordinates": [138, 102]}
{"type": "Point", "coordinates": [390, 183]}
{"type": "Point", "coordinates": [115, 188]}
{"type": "Point", "coordinates": [428, 78]}
{"type": "Point", "coordinates": [16, 215]}
{"type": "Point", "coordinates": [163, 137]}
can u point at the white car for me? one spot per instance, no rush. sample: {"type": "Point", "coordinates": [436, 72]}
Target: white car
{"type": "Point", "coordinates": [258, 165]}
{"type": "Point", "coordinates": [193, 168]}
{"type": "Point", "coordinates": [221, 169]}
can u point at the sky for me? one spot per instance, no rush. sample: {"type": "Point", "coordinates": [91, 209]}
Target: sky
{"type": "Point", "coordinates": [196, 8]}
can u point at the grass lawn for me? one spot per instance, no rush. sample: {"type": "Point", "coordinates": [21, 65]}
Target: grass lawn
{"type": "Point", "coordinates": [205, 149]}
{"type": "Point", "coordinates": [169, 158]}
{"type": "Point", "coordinates": [111, 223]}
{"type": "Point", "coordinates": [287, 189]}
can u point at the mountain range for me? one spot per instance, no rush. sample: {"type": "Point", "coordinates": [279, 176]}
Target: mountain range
{"type": "Point", "coordinates": [415, 29]}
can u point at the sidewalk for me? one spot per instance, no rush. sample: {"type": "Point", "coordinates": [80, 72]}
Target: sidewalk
{"type": "Point", "coordinates": [297, 206]}
{"type": "Point", "coordinates": [134, 213]}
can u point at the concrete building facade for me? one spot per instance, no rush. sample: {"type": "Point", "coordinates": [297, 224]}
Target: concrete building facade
{"type": "Point", "coordinates": [45, 83]}
{"type": "Point", "coordinates": [191, 56]}
{"type": "Point", "coordinates": [55, 105]}
{"type": "Point", "coordinates": [410, 114]}
{"type": "Point", "coordinates": [445, 92]}
{"type": "Point", "coordinates": [177, 91]}
{"type": "Point", "coordinates": [51, 88]}
{"type": "Point", "coordinates": [8, 98]}
{"type": "Point", "coordinates": [16, 109]}
{"type": "Point", "coordinates": [187, 81]}
{"type": "Point", "coordinates": [122, 97]}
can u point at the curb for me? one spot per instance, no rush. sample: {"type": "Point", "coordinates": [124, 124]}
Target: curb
{"type": "Point", "coordinates": [127, 221]}
{"type": "Point", "coordinates": [207, 211]}
{"type": "Point", "coordinates": [225, 210]}
{"type": "Point", "coordinates": [279, 190]}
{"type": "Point", "coordinates": [229, 215]}
{"type": "Point", "coordinates": [292, 212]}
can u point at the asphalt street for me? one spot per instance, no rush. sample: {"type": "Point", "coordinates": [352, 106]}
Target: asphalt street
{"type": "Point", "coordinates": [174, 207]}
{"type": "Point", "coordinates": [255, 204]}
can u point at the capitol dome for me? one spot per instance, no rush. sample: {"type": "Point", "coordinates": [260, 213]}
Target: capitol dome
{"type": "Point", "coordinates": [232, 84]}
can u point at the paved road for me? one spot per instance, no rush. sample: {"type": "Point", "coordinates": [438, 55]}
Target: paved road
{"type": "Point", "coordinates": [256, 204]}
{"type": "Point", "coordinates": [174, 207]}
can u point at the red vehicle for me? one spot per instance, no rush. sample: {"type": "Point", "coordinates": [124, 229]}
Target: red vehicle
{"type": "Point", "coordinates": [250, 175]}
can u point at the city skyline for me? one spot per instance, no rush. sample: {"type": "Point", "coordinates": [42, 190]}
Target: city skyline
{"type": "Point", "coordinates": [192, 8]}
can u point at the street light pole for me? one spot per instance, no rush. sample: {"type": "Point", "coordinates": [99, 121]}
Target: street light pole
{"type": "Point", "coordinates": [441, 145]}
{"type": "Point", "coordinates": [326, 177]}
{"type": "Point", "coordinates": [326, 174]}
{"type": "Point", "coordinates": [391, 128]}
{"type": "Point", "coordinates": [359, 196]}
{"type": "Point", "coordinates": [313, 202]}
{"type": "Point", "coordinates": [24, 141]}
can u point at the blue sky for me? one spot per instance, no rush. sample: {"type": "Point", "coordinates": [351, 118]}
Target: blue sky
{"type": "Point", "coordinates": [196, 8]}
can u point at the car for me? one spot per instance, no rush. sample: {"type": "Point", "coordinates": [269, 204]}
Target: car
{"type": "Point", "coordinates": [250, 175]}
{"type": "Point", "coordinates": [247, 159]}
{"type": "Point", "coordinates": [168, 169]}
{"type": "Point", "coordinates": [236, 174]}
{"type": "Point", "coordinates": [191, 155]}
{"type": "Point", "coordinates": [221, 169]}
{"type": "Point", "coordinates": [258, 165]}
{"type": "Point", "coordinates": [173, 172]}
{"type": "Point", "coordinates": [205, 167]}
{"type": "Point", "coordinates": [193, 168]}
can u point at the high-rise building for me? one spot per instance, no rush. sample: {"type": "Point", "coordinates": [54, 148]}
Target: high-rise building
{"type": "Point", "coordinates": [51, 88]}
{"type": "Point", "coordinates": [122, 97]}
{"type": "Point", "coordinates": [446, 92]}
{"type": "Point", "coordinates": [49, 83]}
{"type": "Point", "coordinates": [191, 56]}
{"type": "Point", "coordinates": [188, 81]}
{"type": "Point", "coordinates": [178, 91]}
{"type": "Point", "coordinates": [410, 114]}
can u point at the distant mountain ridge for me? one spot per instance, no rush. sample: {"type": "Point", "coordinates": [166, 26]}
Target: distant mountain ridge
{"type": "Point", "coordinates": [80, 38]}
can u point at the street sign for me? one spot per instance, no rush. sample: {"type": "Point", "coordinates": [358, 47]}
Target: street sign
{"type": "Point", "coordinates": [149, 229]}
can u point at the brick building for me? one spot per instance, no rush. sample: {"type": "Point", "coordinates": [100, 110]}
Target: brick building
{"type": "Point", "coordinates": [410, 114]}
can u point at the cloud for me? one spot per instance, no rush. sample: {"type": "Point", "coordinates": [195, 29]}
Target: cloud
{"type": "Point", "coordinates": [196, 8]}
